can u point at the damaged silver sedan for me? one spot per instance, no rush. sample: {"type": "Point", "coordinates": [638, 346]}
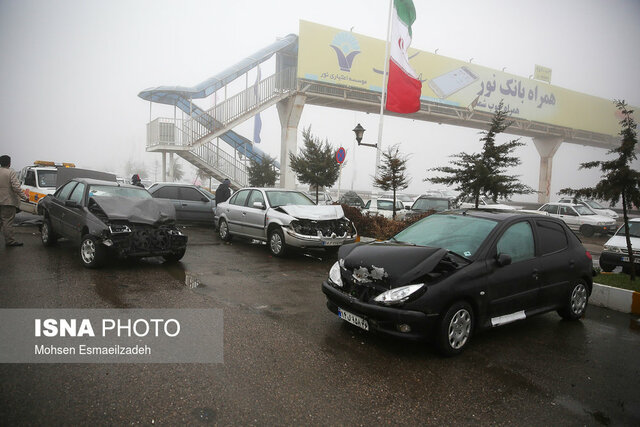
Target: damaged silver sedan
{"type": "Point", "coordinates": [283, 218]}
{"type": "Point", "coordinates": [106, 218]}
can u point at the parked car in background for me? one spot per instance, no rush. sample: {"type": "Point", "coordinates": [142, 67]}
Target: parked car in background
{"type": "Point", "coordinates": [106, 218]}
{"type": "Point", "coordinates": [581, 218]}
{"type": "Point", "coordinates": [485, 203]}
{"type": "Point", "coordinates": [384, 207]}
{"type": "Point", "coordinates": [192, 203]}
{"type": "Point", "coordinates": [593, 205]}
{"type": "Point", "coordinates": [351, 198]}
{"type": "Point", "coordinates": [406, 199]}
{"type": "Point", "coordinates": [283, 218]}
{"type": "Point", "coordinates": [453, 273]}
{"type": "Point", "coordinates": [425, 204]}
{"type": "Point", "coordinates": [615, 253]}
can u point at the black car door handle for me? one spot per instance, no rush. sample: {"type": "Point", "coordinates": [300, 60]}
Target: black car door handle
{"type": "Point", "coordinates": [535, 274]}
{"type": "Point", "coordinates": [184, 204]}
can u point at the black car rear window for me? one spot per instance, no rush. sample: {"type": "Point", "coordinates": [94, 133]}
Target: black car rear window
{"type": "Point", "coordinates": [552, 237]}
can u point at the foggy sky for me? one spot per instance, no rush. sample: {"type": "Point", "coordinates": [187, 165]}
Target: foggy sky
{"type": "Point", "coordinates": [71, 71]}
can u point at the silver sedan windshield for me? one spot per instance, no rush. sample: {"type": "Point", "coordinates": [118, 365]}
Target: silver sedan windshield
{"type": "Point", "coordinates": [283, 198]}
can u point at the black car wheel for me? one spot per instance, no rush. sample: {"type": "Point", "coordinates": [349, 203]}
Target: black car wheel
{"type": "Point", "coordinates": [576, 304]}
{"type": "Point", "coordinates": [276, 242]}
{"type": "Point", "coordinates": [455, 329]}
{"type": "Point", "coordinates": [47, 235]}
{"type": "Point", "coordinates": [92, 254]}
{"type": "Point", "coordinates": [176, 256]}
{"type": "Point", "coordinates": [607, 268]}
{"type": "Point", "coordinates": [223, 231]}
{"type": "Point", "coordinates": [586, 230]}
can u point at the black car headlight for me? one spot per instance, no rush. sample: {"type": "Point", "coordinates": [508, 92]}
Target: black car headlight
{"type": "Point", "coordinates": [398, 295]}
{"type": "Point", "coordinates": [334, 274]}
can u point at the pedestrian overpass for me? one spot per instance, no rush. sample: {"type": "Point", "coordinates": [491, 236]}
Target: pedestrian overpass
{"type": "Point", "coordinates": [196, 137]}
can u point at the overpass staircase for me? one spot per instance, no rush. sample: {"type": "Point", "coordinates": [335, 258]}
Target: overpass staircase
{"type": "Point", "coordinates": [195, 138]}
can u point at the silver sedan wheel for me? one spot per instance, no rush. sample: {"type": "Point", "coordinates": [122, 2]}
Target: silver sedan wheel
{"type": "Point", "coordinates": [88, 251]}
{"type": "Point", "coordinates": [275, 243]}
{"type": "Point", "coordinates": [224, 230]}
{"type": "Point", "coordinates": [459, 329]}
{"type": "Point", "coordinates": [579, 299]}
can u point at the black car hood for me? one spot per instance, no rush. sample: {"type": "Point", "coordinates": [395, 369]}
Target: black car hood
{"type": "Point", "coordinates": [395, 263]}
{"type": "Point", "coordinates": [143, 211]}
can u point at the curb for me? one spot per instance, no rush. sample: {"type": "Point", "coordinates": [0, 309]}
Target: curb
{"type": "Point", "coordinates": [617, 299]}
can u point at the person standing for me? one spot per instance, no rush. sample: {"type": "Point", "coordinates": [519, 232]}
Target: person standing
{"type": "Point", "coordinates": [223, 192]}
{"type": "Point", "coordinates": [135, 180]}
{"type": "Point", "coordinates": [10, 195]}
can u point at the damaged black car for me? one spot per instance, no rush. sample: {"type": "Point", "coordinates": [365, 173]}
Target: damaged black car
{"type": "Point", "coordinates": [454, 273]}
{"type": "Point", "coordinates": [110, 219]}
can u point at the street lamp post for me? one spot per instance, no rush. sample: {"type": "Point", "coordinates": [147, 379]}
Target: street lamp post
{"type": "Point", "coordinates": [359, 131]}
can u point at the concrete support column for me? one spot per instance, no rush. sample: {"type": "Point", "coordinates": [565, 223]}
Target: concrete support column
{"type": "Point", "coordinates": [171, 160]}
{"type": "Point", "coordinates": [289, 112]}
{"type": "Point", "coordinates": [547, 148]}
{"type": "Point", "coordinates": [164, 166]}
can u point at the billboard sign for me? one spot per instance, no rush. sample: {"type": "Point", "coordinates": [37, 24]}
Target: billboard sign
{"type": "Point", "coordinates": [345, 58]}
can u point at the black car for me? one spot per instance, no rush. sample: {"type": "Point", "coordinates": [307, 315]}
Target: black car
{"type": "Point", "coordinates": [424, 204]}
{"type": "Point", "coordinates": [453, 273]}
{"type": "Point", "coordinates": [351, 198]}
{"type": "Point", "coordinates": [108, 218]}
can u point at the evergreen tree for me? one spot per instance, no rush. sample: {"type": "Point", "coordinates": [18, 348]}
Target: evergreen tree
{"type": "Point", "coordinates": [619, 181]}
{"type": "Point", "coordinates": [484, 174]}
{"type": "Point", "coordinates": [392, 173]}
{"type": "Point", "coordinates": [262, 174]}
{"type": "Point", "coordinates": [316, 165]}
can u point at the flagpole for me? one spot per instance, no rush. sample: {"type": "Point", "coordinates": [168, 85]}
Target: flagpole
{"type": "Point", "coordinates": [385, 78]}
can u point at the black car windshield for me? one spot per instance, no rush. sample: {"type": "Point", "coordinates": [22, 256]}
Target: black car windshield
{"type": "Point", "coordinates": [284, 198]}
{"type": "Point", "coordinates": [112, 190]}
{"type": "Point", "coordinates": [457, 233]}
{"type": "Point", "coordinates": [634, 230]}
{"type": "Point", "coordinates": [47, 179]}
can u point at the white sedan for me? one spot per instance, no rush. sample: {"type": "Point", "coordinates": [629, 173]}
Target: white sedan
{"type": "Point", "coordinates": [580, 217]}
{"type": "Point", "coordinates": [384, 207]}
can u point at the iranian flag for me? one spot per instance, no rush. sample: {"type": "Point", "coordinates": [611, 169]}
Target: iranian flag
{"type": "Point", "coordinates": [403, 86]}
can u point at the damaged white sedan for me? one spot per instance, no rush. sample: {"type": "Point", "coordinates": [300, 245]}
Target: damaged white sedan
{"type": "Point", "coordinates": [283, 218]}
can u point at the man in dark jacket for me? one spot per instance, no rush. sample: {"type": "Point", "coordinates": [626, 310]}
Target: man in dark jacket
{"type": "Point", "coordinates": [223, 192]}
{"type": "Point", "coordinates": [135, 180]}
{"type": "Point", "coordinates": [10, 195]}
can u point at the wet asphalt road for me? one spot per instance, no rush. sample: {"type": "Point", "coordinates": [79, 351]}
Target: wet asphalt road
{"type": "Point", "coordinates": [288, 360]}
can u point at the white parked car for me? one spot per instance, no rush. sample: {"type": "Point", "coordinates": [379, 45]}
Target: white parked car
{"type": "Point", "coordinates": [485, 203]}
{"type": "Point", "coordinates": [593, 205]}
{"type": "Point", "coordinates": [580, 217]}
{"type": "Point", "coordinates": [407, 200]}
{"type": "Point", "coordinates": [615, 253]}
{"type": "Point", "coordinates": [384, 207]}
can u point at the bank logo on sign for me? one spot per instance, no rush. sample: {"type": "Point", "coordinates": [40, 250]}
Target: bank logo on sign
{"type": "Point", "coordinates": [346, 47]}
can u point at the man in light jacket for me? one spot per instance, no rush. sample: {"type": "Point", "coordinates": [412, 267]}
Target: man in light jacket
{"type": "Point", "coordinates": [10, 195]}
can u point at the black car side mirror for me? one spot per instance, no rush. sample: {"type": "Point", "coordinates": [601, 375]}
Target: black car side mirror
{"type": "Point", "coordinates": [71, 204]}
{"type": "Point", "coordinates": [503, 259]}
{"type": "Point", "coordinates": [204, 199]}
